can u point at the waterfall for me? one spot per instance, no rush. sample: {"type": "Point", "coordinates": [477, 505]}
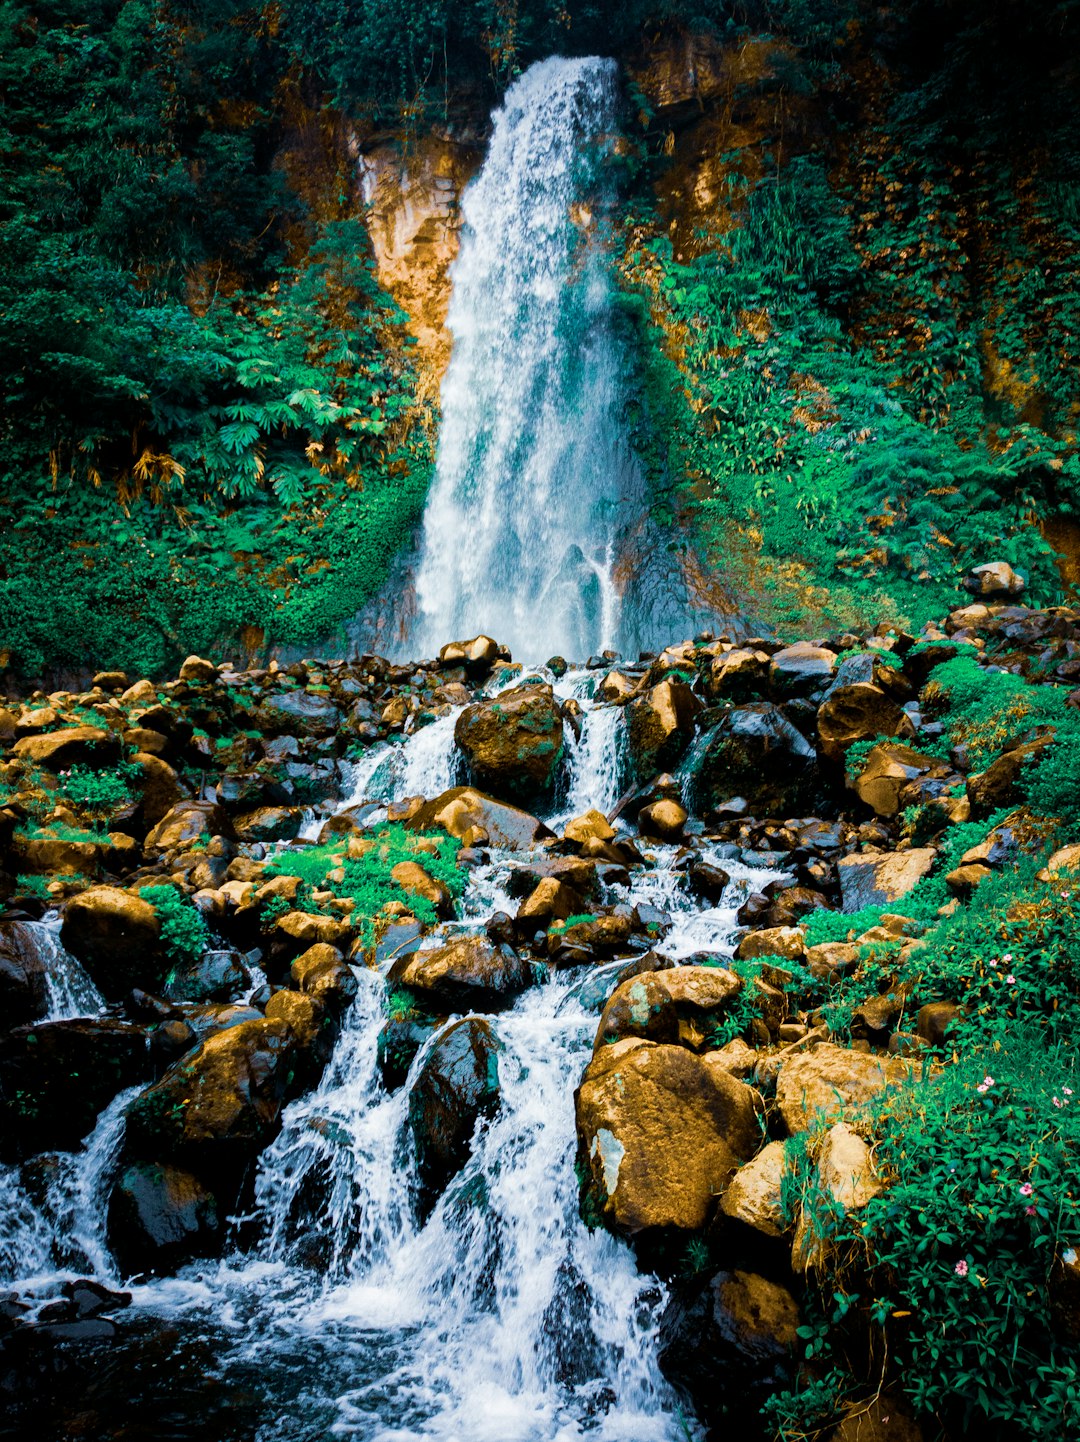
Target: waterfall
{"type": "Point", "coordinates": [534, 479]}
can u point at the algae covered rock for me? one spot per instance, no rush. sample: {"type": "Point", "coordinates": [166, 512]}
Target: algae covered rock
{"type": "Point", "coordinates": [513, 742]}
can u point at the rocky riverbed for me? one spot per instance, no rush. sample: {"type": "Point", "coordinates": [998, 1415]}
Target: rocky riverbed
{"type": "Point", "coordinates": [230, 894]}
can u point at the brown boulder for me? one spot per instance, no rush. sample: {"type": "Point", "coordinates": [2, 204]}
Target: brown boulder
{"type": "Point", "coordinates": [679, 1006]}
{"type": "Point", "coordinates": [660, 725]}
{"type": "Point", "coordinates": [415, 881]}
{"type": "Point", "coordinates": [513, 742]}
{"type": "Point", "coordinates": [887, 770]}
{"type": "Point", "coordinates": [857, 712]}
{"type": "Point", "coordinates": [661, 1132]}
{"type": "Point", "coordinates": [186, 823]}
{"type": "Point", "coordinates": [72, 746]}
{"type": "Point", "coordinates": [463, 811]}
{"type": "Point", "coordinates": [822, 1082]}
{"type": "Point", "coordinates": [754, 1194]}
{"type": "Point", "coordinates": [664, 819]}
{"type": "Point", "coordinates": [875, 878]}
{"type": "Point", "coordinates": [468, 974]}
{"type": "Point", "coordinates": [116, 936]}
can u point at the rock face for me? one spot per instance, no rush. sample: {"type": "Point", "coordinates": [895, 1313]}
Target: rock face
{"type": "Point", "coordinates": [57, 1076]}
{"type": "Point", "coordinates": [469, 974]}
{"type": "Point", "coordinates": [661, 1132]}
{"type": "Point", "coordinates": [474, 818]}
{"type": "Point", "coordinates": [24, 996]}
{"type": "Point", "coordinates": [458, 1083]}
{"type": "Point", "coordinates": [116, 937]}
{"type": "Point", "coordinates": [660, 726]}
{"type": "Point", "coordinates": [679, 1006]}
{"type": "Point", "coordinates": [512, 743]}
{"type": "Point", "coordinates": [875, 878]}
{"type": "Point", "coordinates": [830, 1078]}
{"type": "Point", "coordinates": [740, 1327]}
{"type": "Point", "coordinates": [756, 753]}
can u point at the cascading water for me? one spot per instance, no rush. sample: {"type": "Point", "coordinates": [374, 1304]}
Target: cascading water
{"type": "Point", "coordinates": [535, 479]}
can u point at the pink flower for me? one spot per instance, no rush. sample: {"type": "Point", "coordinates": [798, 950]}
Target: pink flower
{"type": "Point", "coordinates": [1010, 980]}
{"type": "Point", "coordinates": [992, 962]}
{"type": "Point", "coordinates": [1058, 1102]}
{"type": "Point", "coordinates": [1007, 957]}
{"type": "Point", "coordinates": [1026, 1190]}
{"type": "Point", "coordinates": [986, 1083]}
{"type": "Point", "coordinates": [961, 1268]}
{"type": "Point", "coordinates": [1029, 1211]}
{"type": "Point", "coordinates": [1067, 1091]}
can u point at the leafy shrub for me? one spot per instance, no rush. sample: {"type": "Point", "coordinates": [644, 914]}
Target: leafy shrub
{"type": "Point", "coordinates": [98, 792]}
{"type": "Point", "coordinates": [184, 935]}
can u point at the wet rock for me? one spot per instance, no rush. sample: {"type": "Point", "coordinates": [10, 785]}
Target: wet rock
{"type": "Point", "coordinates": [706, 881]}
{"type": "Point", "coordinates": [738, 1326]}
{"type": "Point", "coordinates": [466, 814]}
{"type": "Point", "coordinates": [617, 688]}
{"type": "Point", "coordinates": [195, 668]}
{"type": "Point", "coordinates": [875, 878]}
{"type": "Point", "coordinates": [24, 993]}
{"type": "Point", "coordinates": [513, 742]}
{"type": "Point", "coordinates": [218, 1106]}
{"type": "Point", "coordinates": [801, 669]}
{"type": "Point", "coordinates": [57, 1076]}
{"type": "Point", "coordinates": [998, 785]}
{"type": "Point", "coordinates": [298, 713]}
{"type": "Point", "coordinates": [741, 674]}
{"type": "Point", "coordinates": [680, 1006]}
{"type": "Point", "coordinates": [756, 753]}
{"type": "Point", "coordinates": [753, 1196]}
{"type": "Point", "coordinates": [824, 1081]}
{"type": "Point", "coordinates": [552, 899]}
{"type": "Point", "coordinates": [215, 976]}
{"type": "Point", "coordinates": [888, 770]}
{"type": "Point", "coordinates": [660, 725]}
{"type": "Point", "coordinates": [116, 936]}
{"type": "Point", "coordinates": [592, 826]}
{"type": "Point", "coordinates": [468, 974]}
{"type": "Point", "coordinates": [159, 786]}
{"type": "Point", "coordinates": [586, 940]}
{"type": "Point", "coordinates": [663, 819]}
{"type": "Point", "coordinates": [477, 656]}
{"type": "Point", "coordinates": [415, 881]}
{"type": "Point", "coordinates": [787, 942]}
{"type": "Point", "coordinates": [661, 1132]}
{"type": "Point", "coordinates": [322, 973]}
{"type": "Point", "coordinates": [270, 823]}
{"type": "Point", "coordinates": [457, 1085]}
{"type": "Point", "coordinates": [159, 1217]}
{"type": "Point", "coordinates": [856, 710]}
{"type": "Point", "coordinates": [186, 823]}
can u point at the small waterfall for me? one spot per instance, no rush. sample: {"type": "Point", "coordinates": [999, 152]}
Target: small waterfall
{"type": "Point", "coordinates": [69, 990]}
{"type": "Point", "coordinates": [535, 480]}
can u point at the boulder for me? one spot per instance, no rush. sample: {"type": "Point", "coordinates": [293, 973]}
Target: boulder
{"type": "Point", "coordinates": [741, 674]}
{"type": "Point", "coordinates": [740, 1327]}
{"type": "Point", "coordinates": [322, 973]}
{"type": "Point", "coordinates": [186, 823]}
{"type": "Point", "coordinates": [1063, 865]}
{"type": "Point", "coordinates": [270, 823]}
{"type": "Point", "coordinates": [787, 942]}
{"type": "Point", "coordinates": [219, 1105]}
{"type": "Point", "coordinates": [888, 770]}
{"type": "Point", "coordinates": [801, 669]}
{"type": "Point", "coordinates": [116, 936]}
{"type": "Point", "coordinates": [846, 1181]}
{"type": "Point", "coordinates": [756, 753]}
{"type": "Point", "coordinates": [592, 826]}
{"type": "Point", "coordinates": [158, 784]}
{"type": "Point", "coordinates": [551, 899]}
{"type": "Point", "coordinates": [857, 711]}
{"type": "Point", "coordinates": [298, 713]}
{"type": "Point", "coordinates": [615, 688]}
{"type": "Point", "coordinates": [513, 742]}
{"type": "Point", "coordinates": [679, 1006]}
{"type": "Point", "coordinates": [661, 1132]}
{"type": "Point", "coordinates": [195, 668]}
{"type": "Point", "coordinates": [465, 813]}
{"type": "Point", "coordinates": [215, 976]}
{"type": "Point", "coordinates": [57, 1076]}
{"type": "Point", "coordinates": [457, 1085]}
{"type": "Point", "coordinates": [415, 881]}
{"type": "Point", "coordinates": [468, 974]}
{"type": "Point", "coordinates": [875, 878]}
{"type": "Point", "coordinates": [995, 580]}
{"type": "Point", "coordinates": [822, 1082]}
{"type": "Point", "coordinates": [753, 1195]}
{"type": "Point", "coordinates": [71, 746]}
{"type": "Point", "coordinates": [585, 940]}
{"type": "Point", "coordinates": [663, 819]}
{"type": "Point", "coordinates": [159, 1217]}
{"type": "Point", "coordinates": [999, 784]}
{"type": "Point", "coordinates": [24, 992]}
{"type": "Point", "coordinates": [706, 881]}
{"type": "Point", "coordinates": [660, 725]}
{"type": "Point", "coordinates": [477, 656]}
{"type": "Point", "coordinates": [935, 1020]}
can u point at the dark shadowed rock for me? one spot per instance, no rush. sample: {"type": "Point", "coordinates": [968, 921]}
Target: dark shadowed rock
{"type": "Point", "coordinates": [458, 1083]}
{"type": "Point", "coordinates": [159, 1217]}
{"type": "Point", "coordinates": [756, 753]}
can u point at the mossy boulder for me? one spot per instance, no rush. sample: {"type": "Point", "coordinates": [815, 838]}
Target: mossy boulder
{"type": "Point", "coordinates": [478, 819]}
{"type": "Point", "coordinates": [116, 936]}
{"type": "Point", "coordinates": [457, 1085]}
{"type": "Point", "coordinates": [512, 743]}
{"type": "Point", "coordinates": [470, 973]}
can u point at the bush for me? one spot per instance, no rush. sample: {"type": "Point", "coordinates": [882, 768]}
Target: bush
{"type": "Point", "coordinates": [184, 935]}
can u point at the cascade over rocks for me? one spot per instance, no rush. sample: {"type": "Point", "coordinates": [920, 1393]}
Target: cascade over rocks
{"type": "Point", "coordinates": [24, 994]}
{"type": "Point", "coordinates": [513, 742]}
{"type": "Point", "coordinates": [457, 1085]}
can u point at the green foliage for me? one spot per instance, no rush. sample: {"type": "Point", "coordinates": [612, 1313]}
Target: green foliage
{"type": "Point", "coordinates": [184, 936]}
{"type": "Point", "coordinates": [36, 887]}
{"type": "Point", "coordinates": [98, 792]}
